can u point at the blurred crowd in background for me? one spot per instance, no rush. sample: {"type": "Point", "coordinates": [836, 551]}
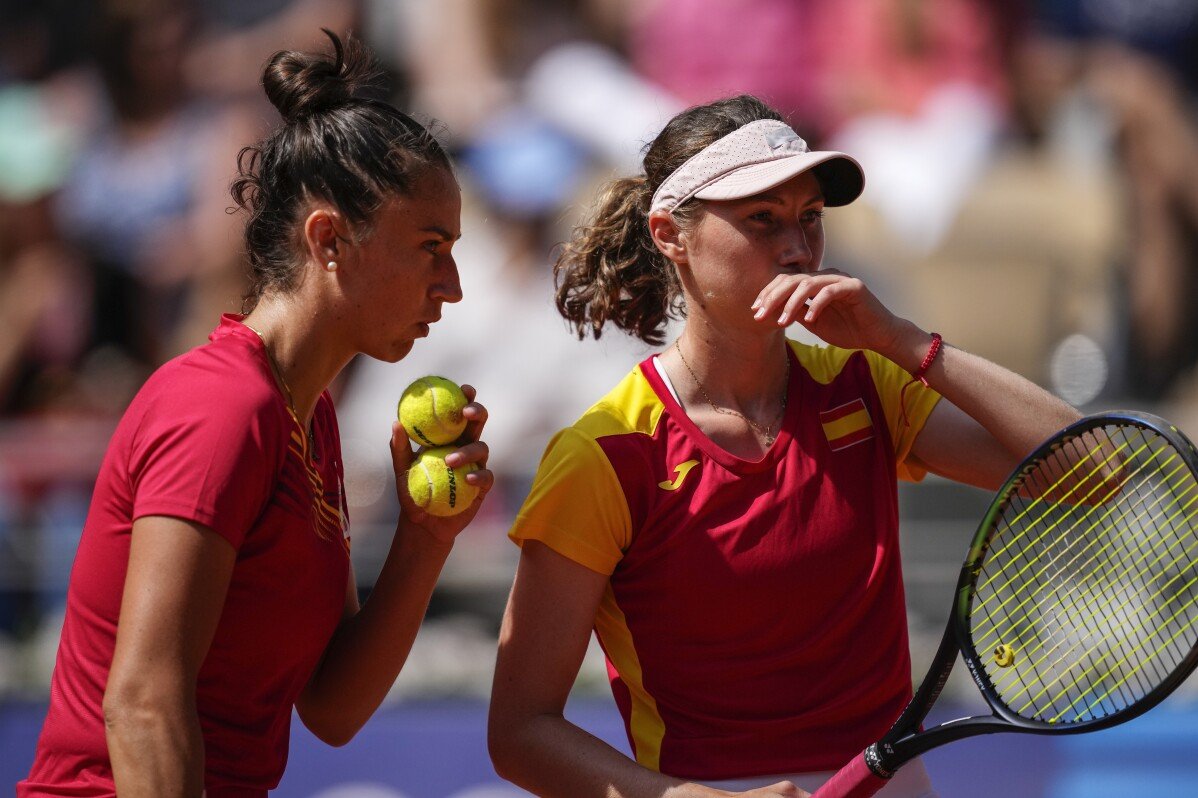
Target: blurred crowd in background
{"type": "Point", "coordinates": [1031, 193]}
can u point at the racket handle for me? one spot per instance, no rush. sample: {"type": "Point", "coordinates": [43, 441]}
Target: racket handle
{"type": "Point", "coordinates": [854, 780]}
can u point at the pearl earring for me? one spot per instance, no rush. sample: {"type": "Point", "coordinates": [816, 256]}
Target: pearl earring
{"type": "Point", "coordinates": [332, 266]}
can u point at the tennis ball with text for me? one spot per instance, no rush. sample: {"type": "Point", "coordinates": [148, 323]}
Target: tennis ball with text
{"type": "Point", "coordinates": [430, 410]}
{"type": "Point", "coordinates": [437, 488]}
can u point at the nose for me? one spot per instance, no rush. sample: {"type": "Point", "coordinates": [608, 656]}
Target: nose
{"type": "Point", "coordinates": [447, 286]}
{"type": "Point", "coordinates": [797, 252]}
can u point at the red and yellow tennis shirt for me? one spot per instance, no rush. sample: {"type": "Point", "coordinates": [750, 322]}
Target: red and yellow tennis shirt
{"type": "Point", "coordinates": [754, 622]}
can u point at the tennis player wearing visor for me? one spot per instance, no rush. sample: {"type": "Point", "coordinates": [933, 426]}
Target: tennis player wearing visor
{"type": "Point", "coordinates": [726, 517]}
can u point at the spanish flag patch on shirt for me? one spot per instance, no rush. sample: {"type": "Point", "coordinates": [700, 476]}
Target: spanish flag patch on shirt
{"type": "Point", "coordinates": [847, 424]}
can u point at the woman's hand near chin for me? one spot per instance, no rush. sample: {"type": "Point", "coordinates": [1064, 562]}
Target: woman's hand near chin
{"type": "Point", "coordinates": [838, 308]}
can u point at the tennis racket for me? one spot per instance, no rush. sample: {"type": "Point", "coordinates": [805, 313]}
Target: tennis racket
{"type": "Point", "coordinates": [1077, 606]}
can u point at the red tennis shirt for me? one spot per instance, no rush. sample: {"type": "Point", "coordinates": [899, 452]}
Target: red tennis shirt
{"type": "Point", "coordinates": [754, 622]}
{"type": "Point", "coordinates": [208, 439]}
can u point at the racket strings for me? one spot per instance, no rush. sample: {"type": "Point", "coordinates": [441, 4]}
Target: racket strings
{"type": "Point", "coordinates": [1041, 496]}
{"type": "Point", "coordinates": [1093, 541]}
{"type": "Point", "coordinates": [1091, 579]}
{"type": "Point", "coordinates": [1090, 659]}
{"type": "Point", "coordinates": [1123, 655]}
{"type": "Point", "coordinates": [1032, 561]}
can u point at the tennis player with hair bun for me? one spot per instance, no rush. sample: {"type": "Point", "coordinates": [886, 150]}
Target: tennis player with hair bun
{"type": "Point", "coordinates": [726, 518]}
{"type": "Point", "coordinates": [213, 592]}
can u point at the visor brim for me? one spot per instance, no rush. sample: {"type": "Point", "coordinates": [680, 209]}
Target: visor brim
{"type": "Point", "coordinates": [840, 177]}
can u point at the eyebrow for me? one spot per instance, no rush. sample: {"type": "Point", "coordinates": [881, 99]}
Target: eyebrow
{"type": "Point", "coordinates": [441, 231]}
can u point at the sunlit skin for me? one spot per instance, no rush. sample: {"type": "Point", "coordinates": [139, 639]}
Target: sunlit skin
{"type": "Point", "coordinates": [747, 268]}
{"type": "Point", "coordinates": [764, 253]}
{"type": "Point", "coordinates": [739, 246]}
{"type": "Point", "coordinates": [407, 269]}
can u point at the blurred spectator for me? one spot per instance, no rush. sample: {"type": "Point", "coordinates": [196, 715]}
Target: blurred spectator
{"type": "Point", "coordinates": [700, 51]}
{"type": "Point", "coordinates": [144, 203]}
{"type": "Point", "coordinates": [915, 89]}
{"type": "Point", "coordinates": [1131, 69]}
{"type": "Point", "coordinates": [41, 299]}
{"type": "Point", "coordinates": [234, 38]}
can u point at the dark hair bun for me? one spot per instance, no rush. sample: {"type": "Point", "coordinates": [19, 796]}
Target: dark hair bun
{"type": "Point", "coordinates": [301, 84]}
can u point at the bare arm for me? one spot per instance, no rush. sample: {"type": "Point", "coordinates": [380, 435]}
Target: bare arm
{"type": "Point", "coordinates": [370, 646]}
{"type": "Point", "coordinates": [992, 417]}
{"type": "Point", "coordinates": [175, 590]}
{"type": "Point", "coordinates": [542, 642]}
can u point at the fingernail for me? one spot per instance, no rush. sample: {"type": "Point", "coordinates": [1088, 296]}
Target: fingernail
{"type": "Point", "coordinates": [760, 313]}
{"type": "Point", "coordinates": [783, 319]}
{"type": "Point", "coordinates": [756, 302]}
{"type": "Point", "coordinates": [809, 317]}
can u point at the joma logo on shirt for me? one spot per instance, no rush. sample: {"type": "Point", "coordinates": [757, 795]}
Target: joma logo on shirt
{"type": "Point", "coordinates": [682, 469]}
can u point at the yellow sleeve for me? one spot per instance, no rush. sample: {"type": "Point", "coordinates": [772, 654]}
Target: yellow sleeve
{"type": "Point", "coordinates": [576, 505]}
{"type": "Point", "coordinates": [919, 400]}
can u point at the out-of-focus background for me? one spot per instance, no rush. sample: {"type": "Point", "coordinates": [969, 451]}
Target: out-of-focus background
{"type": "Point", "coordinates": [1032, 193]}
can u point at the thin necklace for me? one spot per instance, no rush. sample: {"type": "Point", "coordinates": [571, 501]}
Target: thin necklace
{"type": "Point", "coordinates": [278, 372]}
{"type": "Point", "coordinates": [326, 517]}
{"type": "Point", "coordinates": [765, 431]}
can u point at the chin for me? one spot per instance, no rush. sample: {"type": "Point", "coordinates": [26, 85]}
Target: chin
{"type": "Point", "coordinates": [394, 353]}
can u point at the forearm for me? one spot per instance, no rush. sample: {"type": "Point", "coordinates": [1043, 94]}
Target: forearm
{"type": "Point", "coordinates": [368, 650]}
{"type": "Point", "coordinates": [549, 756]}
{"type": "Point", "coordinates": [1017, 412]}
{"type": "Point", "coordinates": [155, 751]}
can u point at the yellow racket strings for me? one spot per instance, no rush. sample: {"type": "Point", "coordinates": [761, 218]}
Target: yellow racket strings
{"type": "Point", "coordinates": [1144, 682]}
{"type": "Point", "coordinates": [1089, 589]}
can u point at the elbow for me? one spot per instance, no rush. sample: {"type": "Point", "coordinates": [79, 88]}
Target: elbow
{"type": "Point", "coordinates": [496, 746]}
{"type": "Point", "coordinates": [129, 705]}
{"type": "Point", "coordinates": [330, 730]}
{"type": "Point", "coordinates": [503, 736]}
{"type": "Point", "coordinates": [335, 737]}
{"type": "Point", "coordinates": [115, 711]}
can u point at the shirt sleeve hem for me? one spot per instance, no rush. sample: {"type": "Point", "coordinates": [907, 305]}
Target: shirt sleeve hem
{"type": "Point", "coordinates": [189, 512]}
{"type": "Point", "coordinates": [570, 548]}
{"type": "Point", "coordinates": [908, 471]}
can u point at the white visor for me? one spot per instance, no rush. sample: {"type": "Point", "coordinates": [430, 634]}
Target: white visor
{"type": "Point", "coordinates": [754, 158]}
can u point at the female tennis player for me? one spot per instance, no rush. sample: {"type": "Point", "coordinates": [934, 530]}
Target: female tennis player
{"type": "Point", "coordinates": [726, 517]}
{"type": "Point", "coordinates": [212, 592]}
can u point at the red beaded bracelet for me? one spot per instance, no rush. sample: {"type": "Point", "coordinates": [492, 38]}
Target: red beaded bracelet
{"type": "Point", "coordinates": [933, 350]}
{"type": "Point", "coordinates": [918, 376]}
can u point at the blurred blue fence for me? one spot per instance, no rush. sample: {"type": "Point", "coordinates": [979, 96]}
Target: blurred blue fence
{"type": "Point", "coordinates": [438, 750]}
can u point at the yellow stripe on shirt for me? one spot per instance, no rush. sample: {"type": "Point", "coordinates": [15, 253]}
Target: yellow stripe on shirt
{"type": "Point", "coordinates": [646, 724]}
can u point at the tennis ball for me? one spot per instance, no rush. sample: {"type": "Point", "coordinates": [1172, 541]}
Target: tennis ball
{"type": "Point", "coordinates": [430, 409]}
{"type": "Point", "coordinates": [436, 487]}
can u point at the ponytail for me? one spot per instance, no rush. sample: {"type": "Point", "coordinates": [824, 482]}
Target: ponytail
{"type": "Point", "coordinates": [612, 271]}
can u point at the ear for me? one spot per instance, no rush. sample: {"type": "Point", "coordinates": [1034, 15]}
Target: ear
{"type": "Point", "coordinates": [324, 236]}
{"type": "Point", "coordinates": [667, 236]}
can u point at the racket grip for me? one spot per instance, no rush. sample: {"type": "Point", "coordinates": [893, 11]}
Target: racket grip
{"type": "Point", "coordinates": [854, 780]}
